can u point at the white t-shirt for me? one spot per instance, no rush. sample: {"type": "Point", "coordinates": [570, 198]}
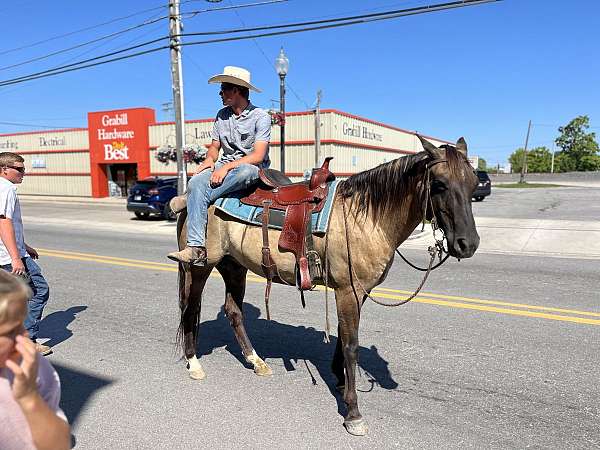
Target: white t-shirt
{"type": "Point", "coordinates": [14, 431]}
{"type": "Point", "coordinates": [10, 209]}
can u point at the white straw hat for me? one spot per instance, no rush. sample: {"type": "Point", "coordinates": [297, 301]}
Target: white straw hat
{"type": "Point", "coordinates": [234, 75]}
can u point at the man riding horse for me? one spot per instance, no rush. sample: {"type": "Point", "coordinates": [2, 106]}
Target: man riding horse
{"type": "Point", "coordinates": [243, 132]}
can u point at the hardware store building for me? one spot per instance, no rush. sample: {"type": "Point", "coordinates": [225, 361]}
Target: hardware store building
{"type": "Point", "coordinates": [119, 147]}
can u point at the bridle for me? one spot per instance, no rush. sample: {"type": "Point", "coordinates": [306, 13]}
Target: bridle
{"type": "Point", "coordinates": [438, 249]}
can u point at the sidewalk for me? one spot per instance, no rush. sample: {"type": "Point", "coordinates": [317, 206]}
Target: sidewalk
{"type": "Point", "coordinates": [64, 199]}
{"type": "Point", "coordinates": [559, 238]}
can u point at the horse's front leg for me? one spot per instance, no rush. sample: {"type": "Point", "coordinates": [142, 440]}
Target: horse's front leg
{"type": "Point", "coordinates": [234, 275]}
{"type": "Point", "coordinates": [348, 308]}
{"type": "Point", "coordinates": [337, 364]}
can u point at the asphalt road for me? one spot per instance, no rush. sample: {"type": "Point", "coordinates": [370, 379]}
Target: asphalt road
{"type": "Point", "coordinates": [499, 352]}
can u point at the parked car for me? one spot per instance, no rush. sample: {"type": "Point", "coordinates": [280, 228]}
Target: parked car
{"type": "Point", "coordinates": [484, 187]}
{"type": "Point", "coordinates": [151, 196]}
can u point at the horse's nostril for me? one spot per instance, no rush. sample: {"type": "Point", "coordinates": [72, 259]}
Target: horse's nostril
{"type": "Point", "coordinates": [462, 244]}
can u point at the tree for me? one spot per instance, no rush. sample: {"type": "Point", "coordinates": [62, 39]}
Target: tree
{"type": "Point", "coordinates": [578, 146]}
{"type": "Point", "coordinates": [539, 160]}
{"type": "Point", "coordinates": [481, 164]}
{"type": "Point", "coordinates": [563, 163]}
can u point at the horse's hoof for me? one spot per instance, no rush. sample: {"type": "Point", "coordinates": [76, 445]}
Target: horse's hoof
{"type": "Point", "coordinates": [195, 369]}
{"type": "Point", "coordinates": [356, 427]}
{"type": "Point", "coordinates": [197, 374]}
{"type": "Point", "coordinates": [262, 369]}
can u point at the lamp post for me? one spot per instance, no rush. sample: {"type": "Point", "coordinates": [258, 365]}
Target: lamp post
{"type": "Point", "coordinates": [281, 65]}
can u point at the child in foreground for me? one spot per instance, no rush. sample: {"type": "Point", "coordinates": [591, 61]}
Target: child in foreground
{"type": "Point", "coordinates": [30, 417]}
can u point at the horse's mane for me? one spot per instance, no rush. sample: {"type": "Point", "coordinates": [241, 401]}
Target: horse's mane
{"type": "Point", "coordinates": [377, 191]}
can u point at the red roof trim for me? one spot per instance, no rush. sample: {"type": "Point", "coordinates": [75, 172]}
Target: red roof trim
{"type": "Point", "coordinates": [57, 174]}
{"type": "Point", "coordinates": [61, 130]}
{"type": "Point", "coordinates": [45, 152]}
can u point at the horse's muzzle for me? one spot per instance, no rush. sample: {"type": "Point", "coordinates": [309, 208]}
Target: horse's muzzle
{"type": "Point", "coordinates": [463, 246]}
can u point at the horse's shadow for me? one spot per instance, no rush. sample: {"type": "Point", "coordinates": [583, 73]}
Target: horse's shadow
{"type": "Point", "coordinates": [292, 344]}
{"type": "Point", "coordinates": [55, 325]}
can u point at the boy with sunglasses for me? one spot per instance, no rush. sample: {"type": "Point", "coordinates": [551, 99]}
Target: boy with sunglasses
{"type": "Point", "coordinates": [241, 132]}
{"type": "Point", "coordinates": [16, 256]}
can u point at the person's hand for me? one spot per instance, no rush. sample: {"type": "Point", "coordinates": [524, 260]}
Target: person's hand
{"type": "Point", "coordinates": [24, 386]}
{"type": "Point", "coordinates": [208, 163]}
{"type": "Point", "coordinates": [32, 252]}
{"type": "Point", "coordinates": [218, 176]}
{"type": "Point", "coordinates": [18, 268]}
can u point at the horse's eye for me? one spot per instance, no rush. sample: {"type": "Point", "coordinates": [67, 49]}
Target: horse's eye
{"type": "Point", "coordinates": [437, 187]}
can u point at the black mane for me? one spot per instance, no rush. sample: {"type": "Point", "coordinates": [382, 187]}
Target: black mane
{"type": "Point", "coordinates": [378, 190]}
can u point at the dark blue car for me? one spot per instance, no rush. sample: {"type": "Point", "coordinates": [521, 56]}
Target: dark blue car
{"type": "Point", "coordinates": [152, 196]}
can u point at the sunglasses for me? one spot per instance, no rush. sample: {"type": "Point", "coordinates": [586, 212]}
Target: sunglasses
{"type": "Point", "coordinates": [18, 169]}
{"type": "Point", "coordinates": [227, 87]}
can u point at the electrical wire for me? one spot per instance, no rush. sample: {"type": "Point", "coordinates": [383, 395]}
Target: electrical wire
{"type": "Point", "coordinates": [352, 20]}
{"type": "Point", "coordinates": [223, 8]}
{"type": "Point", "coordinates": [111, 35]}
{"type": "Point", "coordinates": [270, 62]}
{"type": "Point", "coordinates": [71, 33]}
{"type": "Point", "coordinates": [366, 19]}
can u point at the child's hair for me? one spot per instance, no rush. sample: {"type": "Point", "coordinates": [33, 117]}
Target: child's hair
{"type": "Point", "coordinates": [13, 292]}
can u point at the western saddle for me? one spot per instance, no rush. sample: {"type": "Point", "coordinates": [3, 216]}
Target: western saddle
{"type": "Point", "coordinates": [298, 201]}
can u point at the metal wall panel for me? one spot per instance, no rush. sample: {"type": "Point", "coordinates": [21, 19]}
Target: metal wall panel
{"type": "Point", "coordinates": [80, 186]}
{"type": "Point", "coordinates": [57, 162]}
{"type": "Point", "coordinates": [44, 141]}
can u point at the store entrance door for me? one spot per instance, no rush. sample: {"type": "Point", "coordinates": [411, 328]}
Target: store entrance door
{"type": "Point", "coordinates": [121, 177]}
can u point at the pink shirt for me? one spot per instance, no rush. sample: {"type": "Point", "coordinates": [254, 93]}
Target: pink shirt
{"type": "Point", "coordinates": [14, 429]}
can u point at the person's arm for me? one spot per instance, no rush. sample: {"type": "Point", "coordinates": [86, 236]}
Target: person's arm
{"type": "Point", "coordinates": [212, 154]}
{"type": "Point", "coordinates": [49, 431]}
{"type": "Point", "coordinates": [7, 234]}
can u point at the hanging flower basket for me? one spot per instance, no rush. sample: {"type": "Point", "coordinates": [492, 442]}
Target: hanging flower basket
{"type": "Point", "coordinates": [191, 153]}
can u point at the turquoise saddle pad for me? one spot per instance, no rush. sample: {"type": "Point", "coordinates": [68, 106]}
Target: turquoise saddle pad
{"type": "Point", "coordinates": [252, 215]}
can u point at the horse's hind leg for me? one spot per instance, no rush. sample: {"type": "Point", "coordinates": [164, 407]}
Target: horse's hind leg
{"type": "Point", "coordinates": [191, 284]}
{"type": "Point", "coordinates": [348, 309]}
{"type": "Point", "coordinates": [234, 275]}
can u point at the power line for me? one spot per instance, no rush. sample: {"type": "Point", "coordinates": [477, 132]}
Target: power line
{"type": "Point", "coordinates": [57, 70]}
{"type": "Point", "coordinates": [270, 62]}
{"type": "Point", "coordinates": [29, 125]}
{"type": "Point", "coordinates": [70, 33]}
{"type": "Point", "coordinates": [111, 35]}
{"type": "Point", "coordinates": [223, 8]}
{"type": "Point", "coordinates": [352, 20]}
{"type": "Point", "coordinates": [366, 19]}
{"type": "Point", "coordinates": [394, 15]}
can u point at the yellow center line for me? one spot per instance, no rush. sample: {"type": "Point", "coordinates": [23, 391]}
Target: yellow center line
{"type": "Point", "coordinates": [436, 299]}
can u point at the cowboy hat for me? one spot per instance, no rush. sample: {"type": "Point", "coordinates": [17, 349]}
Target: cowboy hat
{"type": "Point", "coordinates": [234, 75]}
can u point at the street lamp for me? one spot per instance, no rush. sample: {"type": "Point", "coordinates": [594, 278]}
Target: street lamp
{"type": "Point", "coordinates": [281, 65]}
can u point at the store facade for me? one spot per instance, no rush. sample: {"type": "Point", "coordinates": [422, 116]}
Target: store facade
{"type": "Point", "coordinates": [119, 146]}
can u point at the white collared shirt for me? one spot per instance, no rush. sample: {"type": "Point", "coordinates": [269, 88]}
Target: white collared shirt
{"type": "Point", "coordinates": [10, 209]}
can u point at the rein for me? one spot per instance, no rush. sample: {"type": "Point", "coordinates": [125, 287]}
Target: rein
{"type": "Point", "coordinates": [437, 249]}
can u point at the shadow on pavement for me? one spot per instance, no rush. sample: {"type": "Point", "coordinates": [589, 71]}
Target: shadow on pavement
{"type": "Point", "coordinates": [274, 340]}
{"type": "Point", "coordinates": [77, 388]}
{"type": "Point", "coordinates": [55, 325]}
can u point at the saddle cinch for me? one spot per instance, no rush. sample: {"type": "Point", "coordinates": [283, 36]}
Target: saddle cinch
{"type": "Point", "coordinates": [299, 201]}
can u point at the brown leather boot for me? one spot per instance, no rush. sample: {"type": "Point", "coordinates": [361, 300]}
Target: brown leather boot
{"type": "Point", "coordinates": [178, 203]}
{"type": "Point", "coordinates": [190, 255]}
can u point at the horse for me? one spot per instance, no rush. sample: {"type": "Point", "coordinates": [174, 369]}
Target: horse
{"type": "Point", "coordinates": [373, 212]}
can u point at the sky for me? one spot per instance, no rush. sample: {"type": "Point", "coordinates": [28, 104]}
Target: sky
{"type": "Point", "coordinates": [481, 72]}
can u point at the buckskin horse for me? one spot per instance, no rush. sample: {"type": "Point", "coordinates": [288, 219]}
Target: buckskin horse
{"type": "Point", "coordinates": [372, 214]}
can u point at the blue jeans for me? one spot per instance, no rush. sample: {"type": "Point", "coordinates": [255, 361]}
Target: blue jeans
{"type": "Point", "coordinates": [201, 195]}
{"type": "Point", "coordinates": [41, 293]}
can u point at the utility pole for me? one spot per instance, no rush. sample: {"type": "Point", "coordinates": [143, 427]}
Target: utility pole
{"type": "Point", "coordinates": [177, 80]}
{"type": "Point", "coordinates": [318, 130]}
{"type": "Point", "coordinates": [524, 167]}
{"type": "Point", "coordinates": [552, 165]}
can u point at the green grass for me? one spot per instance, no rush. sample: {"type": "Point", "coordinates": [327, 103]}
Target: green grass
{"type": "Point", "coordinates": [526, 185]}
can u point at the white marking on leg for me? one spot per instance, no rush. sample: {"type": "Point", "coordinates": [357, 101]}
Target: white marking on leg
{"type": "Point", "coordinates": [195, 369]}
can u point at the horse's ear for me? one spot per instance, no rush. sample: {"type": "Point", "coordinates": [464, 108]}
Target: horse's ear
{"type": "Point", "coordinates": [428, 146]}
{"type": "Point", "coordinates": [461, 146]}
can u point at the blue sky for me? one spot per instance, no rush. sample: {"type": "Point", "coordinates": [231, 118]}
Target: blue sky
{"type": "Point", "coordinates": [481, 72]}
